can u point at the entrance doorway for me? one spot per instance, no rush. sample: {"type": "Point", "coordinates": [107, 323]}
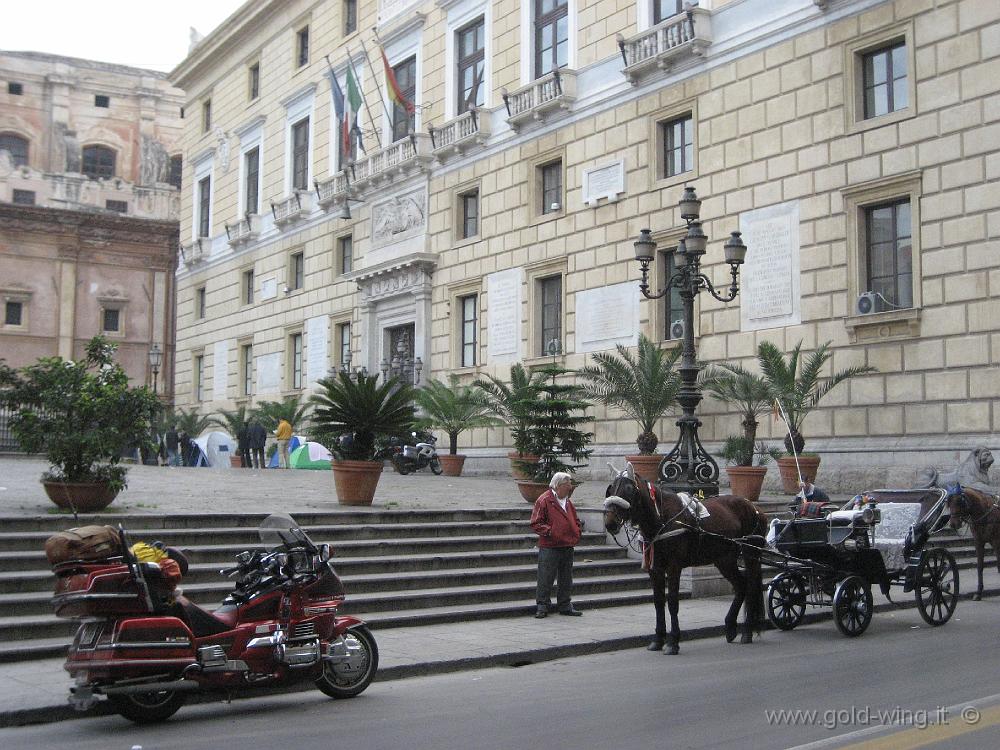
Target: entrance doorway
{"type": "Point", "coordinates": [397, 354]}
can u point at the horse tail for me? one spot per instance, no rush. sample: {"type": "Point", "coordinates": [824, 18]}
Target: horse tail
{"type": "Point", "coordinates": [754, 582]}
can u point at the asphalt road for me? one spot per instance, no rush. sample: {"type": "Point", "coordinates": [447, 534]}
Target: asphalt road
{"type": "Point", "coordinates": [928, 684]}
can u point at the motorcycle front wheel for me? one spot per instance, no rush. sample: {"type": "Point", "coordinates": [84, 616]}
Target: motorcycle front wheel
{"type": "Point", "coordinates": [148, 708]}
{"type": "Point", "coordinates": [345, 680]}
{"type": "Point", "coordinates": [436, 466]}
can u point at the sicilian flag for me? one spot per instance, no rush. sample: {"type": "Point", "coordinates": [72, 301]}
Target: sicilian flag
{"type": "Point", "coordinates": [340, 110]}
{"type": "Point", "coordinates": [354, 102]}
{"type": "Point", "coordinates": [394, 93]}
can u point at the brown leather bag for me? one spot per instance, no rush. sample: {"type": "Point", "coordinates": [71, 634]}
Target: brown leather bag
{"type": "Point", "coordinates": [84, 543]}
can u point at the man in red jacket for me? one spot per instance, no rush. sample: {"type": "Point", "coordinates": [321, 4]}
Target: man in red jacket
{"type": "Point", "coordinates": [554, 520]}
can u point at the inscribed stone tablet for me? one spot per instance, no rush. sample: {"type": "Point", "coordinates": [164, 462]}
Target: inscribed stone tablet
{"type": "Point", "coordinates": [268, 373]}
{"type": "Point", "coordinates": [607, 316]}
{"type": "Point", "coordinates": [503, 315]}
{"type": "Point", "coordinates": [603, 182]}
{"type": "Point", "coordinates": [220, 370]}
{"type": "Point", "coordinates": [317, 337]}
{"type": "Point", "coordinates": [769, 280]}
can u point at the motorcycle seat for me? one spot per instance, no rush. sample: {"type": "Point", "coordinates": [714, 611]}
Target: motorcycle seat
{"type": "Point", "coordinates": [204, 623]}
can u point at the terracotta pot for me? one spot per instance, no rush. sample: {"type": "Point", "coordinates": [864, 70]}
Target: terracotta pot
{"type": "Point", "coordinates": [236, 462]}
{"type": "Point", "coordinates": [531, 491]}
{"type": "Point", "coordinates": [646, 467]}
{"type": "Point", "coordinates": [85, 497]}
{"type": "Point", "coordinates": [746, 481]}
{"type": "Point", "coordinates": [515, 458]}
{"type": "Point", "coordinates": [356, 481]}
{"type": "Point", "coordinates": [790, 478]}
{"type": "Point", "coordinates": [451, 465]}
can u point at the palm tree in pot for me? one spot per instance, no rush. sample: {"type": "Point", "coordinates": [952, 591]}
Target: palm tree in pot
{"type": "Point", "coordinates": [84, 417]}
{"type": "Point", "coordinates": [751, 395]}
{"type": "Point", "coordinates": [798, 388]}
{"type": "Point", "coordinates": [510, 402]}
{"type": "Point", "coordinates": [644, 386]}
{"type": "Point", "coordinates": [453, 408]}
{"type": "Point", "coordinates": [355, 417]}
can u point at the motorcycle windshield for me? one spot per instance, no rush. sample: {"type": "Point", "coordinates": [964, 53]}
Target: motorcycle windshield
{"type": "Point", "coordinates": [281, 532]}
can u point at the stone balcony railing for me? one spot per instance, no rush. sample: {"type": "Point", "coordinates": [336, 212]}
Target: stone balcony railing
{"type": "Point", "coordinates": [685, 35]}
{"type": "Point", "coordinates": [243, 231]}
{"type": "Point", "coordinates": [552, 92]}
{"type": "Point", "coordinates": [291, 208]}
{"type": "Point", "coordinates": [468, 130]}
{"type": "Point", "coordinates": [195, 252]}
{"type": "Point", "coordinates": [411, 154]}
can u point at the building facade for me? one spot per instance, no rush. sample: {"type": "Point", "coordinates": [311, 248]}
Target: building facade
{"type": "Point", "coordinates": [853, 143]}
{"type": "Point", "coordinates": [90, 168]}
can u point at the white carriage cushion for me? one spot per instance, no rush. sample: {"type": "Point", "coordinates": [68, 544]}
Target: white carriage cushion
{"type": "Point", "coordinates": [693, 505]}
{"type": "Point", "coordinates": [891, 531]}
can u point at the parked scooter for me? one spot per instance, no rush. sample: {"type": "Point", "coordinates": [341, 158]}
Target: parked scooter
{"type": "Point", "coordinates": [407, 458]}
{"type": "Point", "coordinates": [145, 647]}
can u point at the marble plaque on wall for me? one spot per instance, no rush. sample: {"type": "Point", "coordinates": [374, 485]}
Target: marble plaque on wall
{"type": "Point", "coordinates": [769, 280]}
{"type": "Point", "coordinates": [607, 181]}
{"type": "Point", "coordinates": [317, 339]}
{"type": "Point", "coordinates": [269, 373]}
{"type": "Point", "coordinates": [268, 288]}
{"type": "Point", "coordinates": [607, 316]}
{"type": "Point", "coordinates": [503, 316]}
{"type": "Point", "coordinates": [220, 370]}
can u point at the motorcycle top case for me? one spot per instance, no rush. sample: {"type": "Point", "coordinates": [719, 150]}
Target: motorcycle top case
{"type": "Point", "coordinates": [84, 543]}
{"type": "Point", "coordinates": [106, 590]}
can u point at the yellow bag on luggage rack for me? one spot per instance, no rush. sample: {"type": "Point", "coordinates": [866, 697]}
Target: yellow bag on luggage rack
{"type": "Point", "coordinates": [84, 543]}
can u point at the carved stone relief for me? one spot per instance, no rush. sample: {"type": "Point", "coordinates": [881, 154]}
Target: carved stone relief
{"type": "Point", "coordinates": [399, 217]}
{"type": "Point", "coordinates": [410, 278]}
{"type": "Point", "coordinates": [222, 152]}
{"type": "Point", "coordinates": [154, 161]}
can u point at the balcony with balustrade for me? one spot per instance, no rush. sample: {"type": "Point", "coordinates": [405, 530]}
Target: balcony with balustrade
{"type": "Point", "coordinates": [551, 94]}
{"type": "Point", "coordinates": [244, 231]}
{"type": "Point", "coordinates": [684, 36]}
{"type": "Point", "coordinates": [195, 252]}
{"type": "Point", "coordinates": [291, 208]}
{"type": "Point", "coordinates": [467, 131]}
{"type": "Point", "coordinates": [376, 169]}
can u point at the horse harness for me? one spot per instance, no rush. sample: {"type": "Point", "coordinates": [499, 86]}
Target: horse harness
{"type": "Point", "coordinates": [982, 518]}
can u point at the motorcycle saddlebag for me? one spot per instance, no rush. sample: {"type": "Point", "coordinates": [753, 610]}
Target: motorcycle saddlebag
{"type": "Point", "coordinates": [84, 543]}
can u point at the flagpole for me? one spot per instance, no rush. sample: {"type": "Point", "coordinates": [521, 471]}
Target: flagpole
{"type": "Point", "coordinates": [343, 155]}
{"type": "Point", "coordinates": [378, 88]}
{"type": "Point", "coordinates": [350, 61]}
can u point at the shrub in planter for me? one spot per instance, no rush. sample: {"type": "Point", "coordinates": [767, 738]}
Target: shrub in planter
{"type": "Point", "coordinates": [82, 415]}
{"type": "Point", "coordinates": [747, 465]}
{"type": "Point", "coordinates": [510, 402]}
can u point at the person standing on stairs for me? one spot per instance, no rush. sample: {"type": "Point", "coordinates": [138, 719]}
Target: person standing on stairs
{"type": "Point", "coordinates": [555, 521]}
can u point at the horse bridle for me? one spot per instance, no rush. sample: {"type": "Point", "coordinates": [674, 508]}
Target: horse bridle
{"type": "Point", "coordinates": [989, 511]}
{"type": "Point", "coordinates": [661, 533]}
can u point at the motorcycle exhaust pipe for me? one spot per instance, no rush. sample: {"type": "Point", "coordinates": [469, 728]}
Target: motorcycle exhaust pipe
{"type": "Point", "coordinates": [152, 687]}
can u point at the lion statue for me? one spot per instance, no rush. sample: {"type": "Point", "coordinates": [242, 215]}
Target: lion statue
{"type": "Point", "coordinates": [972, 472]}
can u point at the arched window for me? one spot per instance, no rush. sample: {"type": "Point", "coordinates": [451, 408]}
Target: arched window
{"type": "Point", "coordinates": [16, 146]}
{"type": "Point", "coordinates": [98, 162]}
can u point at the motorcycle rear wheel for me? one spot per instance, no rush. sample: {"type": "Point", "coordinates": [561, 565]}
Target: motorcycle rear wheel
{"type": "Point", "coordinates": [436, 466]}
{"type": "Point", "coordinates": [148, 708]}
{"type": "Point", "coordinates": [347, 685]}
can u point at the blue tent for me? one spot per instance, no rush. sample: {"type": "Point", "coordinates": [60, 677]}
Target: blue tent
{"type": "Point", "coordinates": [294, 443]}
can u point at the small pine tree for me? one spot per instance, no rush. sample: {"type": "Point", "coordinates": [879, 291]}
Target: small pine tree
{"type": "Point", "coordinates": [554, 426]}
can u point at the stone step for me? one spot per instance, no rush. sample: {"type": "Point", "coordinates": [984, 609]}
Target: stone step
{"type": "Point", "coordinates": [42, 580]}
{"type": "Point", "coordinates": [212, 592]}
{"type": "Point", "coordinates": [58, 522]}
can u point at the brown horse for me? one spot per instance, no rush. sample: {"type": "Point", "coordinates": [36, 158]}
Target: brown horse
{"type": "Point", "coordinates": [675, 538]}
{"type": "Point", "coordinates": [982, 513]}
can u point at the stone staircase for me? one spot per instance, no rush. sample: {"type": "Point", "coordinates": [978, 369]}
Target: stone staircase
{"type": "Point", "coordinates": [401, 568]}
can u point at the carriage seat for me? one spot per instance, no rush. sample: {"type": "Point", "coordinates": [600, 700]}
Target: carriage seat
{"type": "Point", "coordinates": [893, 532]}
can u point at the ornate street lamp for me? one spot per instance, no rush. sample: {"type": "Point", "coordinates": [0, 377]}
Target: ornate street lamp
{"type": "Point", "coordinates": [688, 467]}
{"type": "Point", "coordinates": [155, 360]}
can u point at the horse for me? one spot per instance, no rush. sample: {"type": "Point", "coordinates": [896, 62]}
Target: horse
{"type": "Point", "coordinates": [982, 512]}
{"type": "Point", "coordinates": [676, 538]}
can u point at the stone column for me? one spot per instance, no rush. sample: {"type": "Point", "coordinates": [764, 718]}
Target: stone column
{"type": "Point", "coordinates": [67, 306]}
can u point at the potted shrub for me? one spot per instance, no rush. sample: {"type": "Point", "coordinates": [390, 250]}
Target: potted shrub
{"type": "Point", "coordinates": [751, 395]}
{"type": "Point", "coordinates": [798, 389]}
{"type": "Point", "coordinates": [746, 477]}
{"type": "Point", "coordinates": [510, 402]}
{"type": "Point", "coordinates": [83, 416]}
{"type": "Point", "coordinates": [354, 417]}
{"type": "Point", "coordinates": [553, 432]}
{"type": "Point", "coordinates": [453, 408]}
{"type": "Point", "coordinates": [644, 386]}
{"type": "Point", "coordinates": [233, 421]}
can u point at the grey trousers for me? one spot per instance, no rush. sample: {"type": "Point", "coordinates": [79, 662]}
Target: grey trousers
{"type": "Point", "coordinates": [555, 563]}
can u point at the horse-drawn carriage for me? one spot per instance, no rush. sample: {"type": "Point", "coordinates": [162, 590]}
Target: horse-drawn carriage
{"type": "Point", "coordinates": [879, 538]}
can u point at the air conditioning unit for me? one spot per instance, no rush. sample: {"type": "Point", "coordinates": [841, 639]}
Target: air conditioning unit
{"type": "Point", "coordinates": [677, 329]}
{"type": "Point", "coordinates": [866, 303]}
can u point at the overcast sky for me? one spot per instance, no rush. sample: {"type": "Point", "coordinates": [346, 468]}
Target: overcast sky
{"type": "Point", "coordinates": [139, 33]}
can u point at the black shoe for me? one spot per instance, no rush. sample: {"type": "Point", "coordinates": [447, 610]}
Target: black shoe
{"type": "Point", "coordinates": [571, 612]}
{"type": "Point", "coordinates": [541, 612]}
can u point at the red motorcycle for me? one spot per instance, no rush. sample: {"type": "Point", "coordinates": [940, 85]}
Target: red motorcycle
{"type": "Point", "coordinates": [145, 647]}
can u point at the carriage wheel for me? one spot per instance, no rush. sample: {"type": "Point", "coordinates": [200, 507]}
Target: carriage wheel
{"type": "Point", "coordinates": [786, 600]}
{"type": "Point", "coordinates": [852, 606]}
{"type": "Point", "coordinates": [937, 586]}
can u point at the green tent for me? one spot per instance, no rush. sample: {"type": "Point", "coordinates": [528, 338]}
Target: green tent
{"type": "Point", "coordinates": [310, 456]}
